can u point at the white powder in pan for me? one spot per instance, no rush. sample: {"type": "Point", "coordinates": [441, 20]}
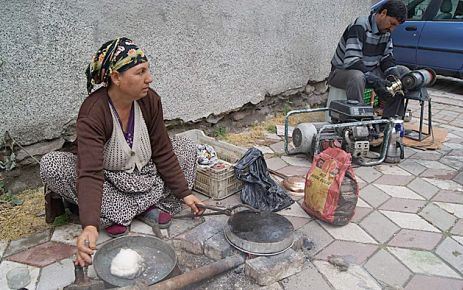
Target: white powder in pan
{"type": "Point", "coordinates": [127, 264]}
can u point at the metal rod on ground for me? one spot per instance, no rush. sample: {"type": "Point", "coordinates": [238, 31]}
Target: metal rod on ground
{"type": "Point", "coordinates": [157, 231]}
{"type": "Point", "coordinates": [195, 276]}
{"type": "Point", "coordinates": [281, 175]}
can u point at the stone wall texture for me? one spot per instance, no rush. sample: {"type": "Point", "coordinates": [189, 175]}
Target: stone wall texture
{"type": "Point", "coordinates": [207, 56]}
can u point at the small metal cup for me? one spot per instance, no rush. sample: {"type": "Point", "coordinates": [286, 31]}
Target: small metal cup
{"type": "Point", "coordinates": [408, 115]}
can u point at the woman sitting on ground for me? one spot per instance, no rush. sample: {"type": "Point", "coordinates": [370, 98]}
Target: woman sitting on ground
{"type": "Point", "coordinates": [126, 165]}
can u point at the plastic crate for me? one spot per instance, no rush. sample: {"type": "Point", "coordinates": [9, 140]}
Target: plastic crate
{"type": "Point", "coordinates": [367, 97]}
{"type": "Point", "coordinates": [217, 183]}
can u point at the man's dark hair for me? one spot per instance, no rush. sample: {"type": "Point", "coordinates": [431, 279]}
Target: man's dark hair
{"type": "Point", "coordinates": [396, 9]}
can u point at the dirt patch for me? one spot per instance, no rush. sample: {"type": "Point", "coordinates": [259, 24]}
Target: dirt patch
{"type": "Point", "coordinates": [250, 136]}
{"type": "Point", "coordinates": [23, 220]}
{"type": "Point", "coordinates": [305, 118]}
{"type": "Point", "coordinates": [247, 138]}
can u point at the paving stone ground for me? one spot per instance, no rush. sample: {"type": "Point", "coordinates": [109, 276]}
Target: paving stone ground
{"type": "Point", "coordinates": [407, 232]}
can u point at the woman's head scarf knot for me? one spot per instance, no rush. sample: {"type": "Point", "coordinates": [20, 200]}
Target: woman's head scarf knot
{"type": "Point", "coordinates": [115, 55]}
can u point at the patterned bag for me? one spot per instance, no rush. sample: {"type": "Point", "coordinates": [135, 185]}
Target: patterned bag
{"type": "Point", "coordinates": [331, 190]}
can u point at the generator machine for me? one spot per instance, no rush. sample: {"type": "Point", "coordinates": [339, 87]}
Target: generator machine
{"type": "Point", "coordinates": [355, 128]}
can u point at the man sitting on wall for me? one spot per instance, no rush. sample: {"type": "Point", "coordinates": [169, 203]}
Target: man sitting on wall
{"type": "Point", "coordinates": [364, 57]}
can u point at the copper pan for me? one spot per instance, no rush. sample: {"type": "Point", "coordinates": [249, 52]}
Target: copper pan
{"type": "Point", "coordinates": [295, 184]}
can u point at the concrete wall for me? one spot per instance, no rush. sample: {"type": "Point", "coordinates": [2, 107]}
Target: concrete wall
{"type": "Point", "coordinates": [207, 56]}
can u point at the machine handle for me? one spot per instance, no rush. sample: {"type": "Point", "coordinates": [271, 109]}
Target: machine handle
{"type": "Point", "coordinates": [402, 149]}
{"type": "Point", "coordinates": [411, 28]}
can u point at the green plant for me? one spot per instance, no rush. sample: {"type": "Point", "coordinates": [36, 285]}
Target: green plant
{"type": "Point", "coordinates": [277, 154]}
{"type": "Point", "coordinates": [5, 196]}
{"type": "Point", "coordinates": [271, 128]}
{"type": "Point", "coordinates": [11, 199]}
{"type": "Point", "coordinates": [63, 219]}
{"type": "Point", "coordinates": [447, 234]}
{"type": "Point", "coordinates": [219, 132]}
{"type": "Point", "coordinates": [286, 109]}
{"type": "Point", "coordinates": [7, 155]}
{"type": "Point", "coordinates": [2, 185]}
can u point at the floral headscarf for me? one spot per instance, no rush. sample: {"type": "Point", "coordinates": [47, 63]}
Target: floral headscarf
{"type": "Point", "coordinates": [119, 54]}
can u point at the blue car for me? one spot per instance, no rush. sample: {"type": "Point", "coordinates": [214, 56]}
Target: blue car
{"type": "Point", "coordinates": [431, 37]}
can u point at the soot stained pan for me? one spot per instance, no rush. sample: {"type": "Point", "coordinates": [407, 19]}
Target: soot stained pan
{"type": "Point", "coordinates": [259, 233]}
{"type": "Point", "coordinates": [160, 259]}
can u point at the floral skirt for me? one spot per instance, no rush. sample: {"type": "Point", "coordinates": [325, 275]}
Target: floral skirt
{"type": "Point", "coordinates": [125, 195]}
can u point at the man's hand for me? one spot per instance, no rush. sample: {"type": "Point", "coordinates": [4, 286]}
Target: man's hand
{"type": "Point", "coordinates": [383, 94]}
{"type": "Point", "coordinates": [378, 84]}
{"type": "Point", "coordinates": [375, 81]}
{"type": "Point", "coordinates": [192, 201]}
{"type": "Point", "coordinates": [86, 245]}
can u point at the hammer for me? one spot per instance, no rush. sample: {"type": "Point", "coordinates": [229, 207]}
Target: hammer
{"type": "Point", "coordinates": [82, 281]}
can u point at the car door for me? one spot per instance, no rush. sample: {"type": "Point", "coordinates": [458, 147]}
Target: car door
{"type": "Point", "coordinates": [441, 43]}
{"type": "Point", "coordinates": [406, 36]}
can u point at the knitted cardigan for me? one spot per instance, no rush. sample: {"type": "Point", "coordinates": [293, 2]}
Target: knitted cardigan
{"type": "Point", "coordinates": [95, 128]}
{"type": "Point", "coordinates": [117, 153]}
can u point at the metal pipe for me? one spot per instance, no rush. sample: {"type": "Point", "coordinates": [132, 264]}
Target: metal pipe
{"type": "Point", "coordinates": [199, 274]}
{"type": "Point", "coordinates": [382, 156]}
{"type": "Point", "coordinates": [346, 137]}
{"type": "Point", "coordinates": [194, 276]}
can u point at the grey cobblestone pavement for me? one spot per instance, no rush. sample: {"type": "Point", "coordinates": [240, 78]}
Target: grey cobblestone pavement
{"type": "Point", "coordinates": [407, 232]}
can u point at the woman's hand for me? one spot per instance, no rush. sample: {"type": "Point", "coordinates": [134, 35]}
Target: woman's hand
{"type": "Point", "coordinates": [192, 201]}
{"type": "Point", "coordinates": [86, 245]}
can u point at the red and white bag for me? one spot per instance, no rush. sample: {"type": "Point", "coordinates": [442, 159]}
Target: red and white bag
{"type": "Point", "coordinates": [331, 189]}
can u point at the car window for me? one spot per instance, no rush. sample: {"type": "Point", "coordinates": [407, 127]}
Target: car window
{"type": "Point", "coordinates": [416, 8]}
{"type": "Point", "coordinates": [458, 13]}
{"type": "Point", "coordinates": [450, 10]}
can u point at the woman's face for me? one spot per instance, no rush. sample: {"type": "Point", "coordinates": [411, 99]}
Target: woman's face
{"type": "Point", "coordinates": [135, 81]}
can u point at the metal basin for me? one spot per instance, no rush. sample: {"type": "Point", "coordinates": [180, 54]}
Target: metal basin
{"type": "Point", "coordinates": [160, 259]}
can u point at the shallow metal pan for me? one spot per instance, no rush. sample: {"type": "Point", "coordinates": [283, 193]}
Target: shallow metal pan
{"type": "Point", "coordinates": [259, 233]}
{"type": "Point", "coordinates": [160, 259]}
